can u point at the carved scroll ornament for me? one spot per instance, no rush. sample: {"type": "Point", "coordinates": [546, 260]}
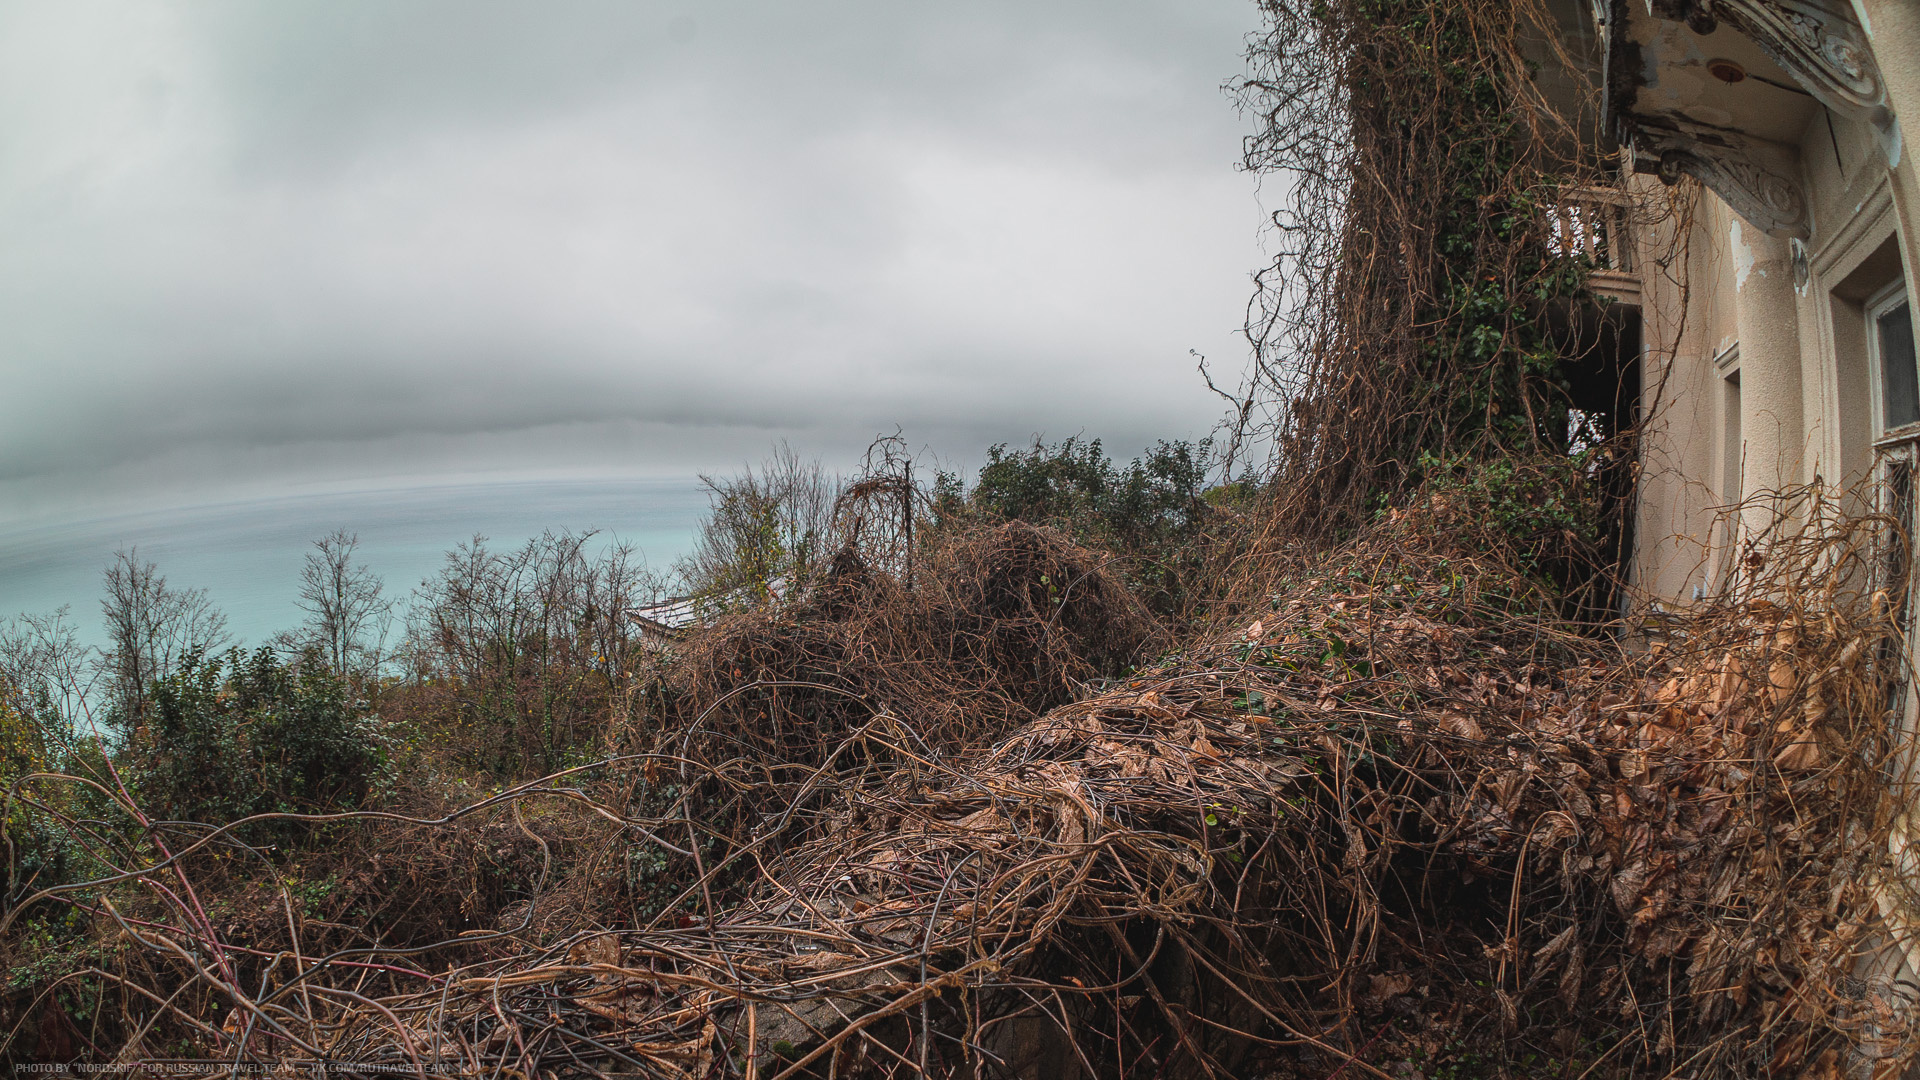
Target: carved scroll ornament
{"type": "Point", "coordinates": [1758, 180]}
{"type": "Point", "coordinates": [1819, 42]}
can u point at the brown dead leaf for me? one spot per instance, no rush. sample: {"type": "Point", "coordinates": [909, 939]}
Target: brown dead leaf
{"type": "Point", "coordinates": [1733, 683]}
{"type": "Point", "coordinates": [688, 1059]}
{"type": "Point", "coordinates": [1126, 759]}
{"type": "Point", "coordinates": [600, 949]}
{"type": "Point", "coordinates": [1799, 755]}
{"type": "Point", "coordinates": [1463, 726]}
{"type": "Point", "coordinates": [988, 820]}
{"type": "Point", "coordinates": [1783, 678]}
{"type": "Point", "coordinates": [1384, 988]}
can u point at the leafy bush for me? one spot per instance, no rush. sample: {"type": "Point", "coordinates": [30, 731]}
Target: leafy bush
{"type": "Point", "coordinates": [247, 734]}
{"type": "Point", "coordinates": [1533, 503]}
{"type": "Point", "coordinates": [37, 851]}
{"type": "Point", "coordinates": [45, 673]}
{"type": "Point", "coordinates": [1546, 513]}
{"type": "Point", "coordinates": [1153, 511]}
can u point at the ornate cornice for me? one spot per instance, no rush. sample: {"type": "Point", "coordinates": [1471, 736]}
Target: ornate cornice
{"type": "Point", "coordinates": [1819, 43]}
{"type": "Point", "coordinates": [1758, 179]}
{"type": "Point", "coordinates": [1822, 45]}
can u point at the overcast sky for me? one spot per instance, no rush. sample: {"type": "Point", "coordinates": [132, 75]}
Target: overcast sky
{"type": "Point", "coordinates": [256, 245]}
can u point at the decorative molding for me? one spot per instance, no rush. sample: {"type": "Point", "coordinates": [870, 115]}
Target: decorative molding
{"type": "Point", "coordinates": [1819, 42]}
{"type": "Point", "coordinates": [1760, 180]}
{"type": "Point", "coordinates": [1727, 361]}
{"type": "Point", "coordinates": [1859, 233]}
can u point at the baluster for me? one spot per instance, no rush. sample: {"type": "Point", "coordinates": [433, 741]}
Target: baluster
{"type": "Point", "coordinates": [1622, 243]}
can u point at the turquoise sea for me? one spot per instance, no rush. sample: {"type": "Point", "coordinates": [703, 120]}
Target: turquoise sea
{"type": "Point", "coordinates": [247, 554]}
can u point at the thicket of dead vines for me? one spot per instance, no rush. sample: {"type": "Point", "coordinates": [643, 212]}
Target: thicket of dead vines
{"type": "Point", "coordinates": [1004, 622]}
{"type": "Point", "coordinates": [1405, 313]}
{"type": "Point", "coordinates": [1403, 816]}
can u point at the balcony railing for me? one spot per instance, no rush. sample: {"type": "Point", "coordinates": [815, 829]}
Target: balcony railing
{"type": "Point", "coordinates": [1594, 222]}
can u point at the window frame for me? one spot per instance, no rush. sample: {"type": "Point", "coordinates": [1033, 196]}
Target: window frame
{"type": "Point", "coordinates": [1896, 454]}
{"type": "Point", "coordinates": [1729, 433]}
{"type": "Point", "coordinates": [1880, 303]}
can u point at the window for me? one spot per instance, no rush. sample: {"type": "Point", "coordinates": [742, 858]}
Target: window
{"type": "Point", "coordinates": [1891, 352]}
{"type": "Point", "coordinates": [1732, 455]}
{"type": "Point", "coordinates": [1896, 383]}
{"type": "Point", "coordinates": [1729, 478]}
{"type": "Point", "coordinates": [1732, 450]}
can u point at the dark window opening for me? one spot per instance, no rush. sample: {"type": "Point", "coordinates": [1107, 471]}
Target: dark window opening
{"type": "Point", "coordinates": [1899, 374]}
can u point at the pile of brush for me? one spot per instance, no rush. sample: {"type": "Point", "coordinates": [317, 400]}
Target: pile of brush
{"type": "Point", "coordinates": [1002, 623]}
{"type": "Point", "coordinates": [1406, 822]}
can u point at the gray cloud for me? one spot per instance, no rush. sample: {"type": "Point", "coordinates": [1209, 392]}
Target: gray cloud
{"type": "Point", "coordinates": [246, 242]}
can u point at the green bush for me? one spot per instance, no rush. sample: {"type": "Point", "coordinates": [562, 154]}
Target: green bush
{"type": "Point", "coordinates": [247, 734]}
{"type": "Point", "coordinates": [1152, 511]}
{"type": "Point", "coordinates": [1547, 513]}
{"type": "Point", "coordinates": [1536, 502]}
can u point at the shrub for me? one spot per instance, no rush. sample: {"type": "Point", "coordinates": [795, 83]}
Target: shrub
{"type": "Point", "coordinates": [519, 654]}
{"type": "Point", "coordinates": [1545, 513]}
{"type": "Point", "coordinates": [45, 673]}
{"type": "Point", "coordinates": [1152, 511]}
{"type": "Point", "coordinates": [247, 734]}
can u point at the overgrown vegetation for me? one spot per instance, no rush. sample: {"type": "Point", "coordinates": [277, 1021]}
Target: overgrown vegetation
{"type": "Point", "coordinates": [1404, 319]}
{"type": "Point", "coordinates": [515, 659]}
{"type": "Point", "coordinates": [513, 663]}
{"type": "Point", "coordinates": [247, 733]}
{"type": "Point", "coordinates": [1402, 778]}
{"type": "Point", "coordinates": [951, 781]}
{"type": "Point", "coordinates": [1154, 513]}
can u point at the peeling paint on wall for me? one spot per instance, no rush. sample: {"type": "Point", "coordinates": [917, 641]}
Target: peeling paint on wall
{"type": "Point", "coordinates": [1742, 256]}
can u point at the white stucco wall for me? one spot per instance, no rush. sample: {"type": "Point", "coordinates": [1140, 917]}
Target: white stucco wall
{"type": "Point", "coordinates": [1714, 287]}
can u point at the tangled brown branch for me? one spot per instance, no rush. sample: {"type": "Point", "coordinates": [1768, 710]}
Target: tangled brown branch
{"type": "Point", "coordinates": [1408, 810]}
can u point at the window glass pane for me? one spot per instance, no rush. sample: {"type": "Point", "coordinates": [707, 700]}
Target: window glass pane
{"type": "Point", "coordinates": [1900, 379]}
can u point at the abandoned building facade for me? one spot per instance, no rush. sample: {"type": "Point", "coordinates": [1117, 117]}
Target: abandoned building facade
{"type": "Point", "coordinates": [1764, 331]}
{"type": "Point", "coordinates": [1757, 328]}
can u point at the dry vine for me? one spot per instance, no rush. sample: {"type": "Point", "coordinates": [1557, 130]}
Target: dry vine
{"type": "Point", "coordinates": [1407, 311]}
{"type": "Point", "coordinates": [1406, 811]}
